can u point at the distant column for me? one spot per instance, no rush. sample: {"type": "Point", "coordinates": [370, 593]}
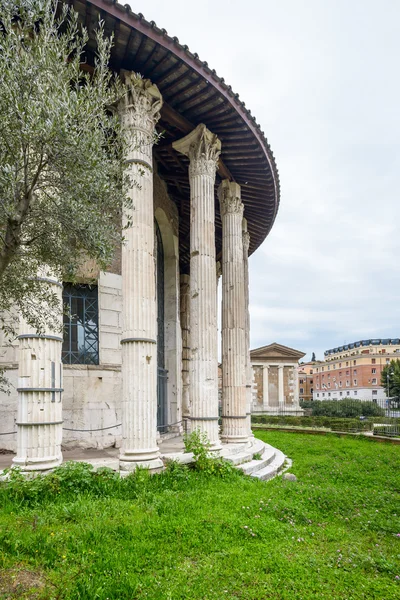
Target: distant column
{"type": "Point", "coordinates": [39, 424]}
{"type": "Point", "coordinates": [281, 396]}
{"type": "Point", "coordinates": [234, 407]}
{"type": "Point", "coordinates": [248, 367]}
{"type": "Point", "coordinates": [265, 387]}
{"type": "Point", "coordinates": [203, 149]}
{"type": "Point", "coordinates": [140, 112]}
{"type": "Point", "coordinates": [185, 311]}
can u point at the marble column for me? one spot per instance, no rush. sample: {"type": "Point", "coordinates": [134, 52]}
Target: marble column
{"type": "Point", "coordinates": [185, 311]}
{"type": "Point", "coordinates": [39, 421]}
{"type": "Point", "coordinates": [281, 396]}
{"type": "Point", "coordinates": [139, 113]}
{"type": "Point", "coordinates": [234, 405]}
{"type": "Point", "coordinates": [248, 367]}
{"type": "Point", "coordinates": [203, 149]}
{"type": "Point", "coordinates": [265, 387]}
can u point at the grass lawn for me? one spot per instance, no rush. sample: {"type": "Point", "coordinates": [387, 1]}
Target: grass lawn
{"type": "Point", "coordinates": [333, 534]}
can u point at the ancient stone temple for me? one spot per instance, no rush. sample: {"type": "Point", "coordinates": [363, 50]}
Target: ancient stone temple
{"type": "Point", "coordinates": [275, 380]}
{"type": "Point", "coordinates": [139, 355]}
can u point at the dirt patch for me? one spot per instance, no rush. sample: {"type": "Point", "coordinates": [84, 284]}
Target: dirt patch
{"type": "Point", "coordinates": [21, 583]}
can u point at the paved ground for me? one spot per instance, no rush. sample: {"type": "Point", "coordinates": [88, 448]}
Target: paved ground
{"type": "Point", "coordinates": [109, 454]}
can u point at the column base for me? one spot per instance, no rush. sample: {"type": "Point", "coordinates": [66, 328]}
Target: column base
{"type": "Point", "coordinates": [42, 464]}
{"type": "Point", "coordinates": [235, 439]}
{"type": "Point", "coordinates": [145, 459]}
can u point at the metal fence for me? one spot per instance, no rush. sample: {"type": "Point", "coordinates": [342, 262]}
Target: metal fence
{"type": "Point", "coordinates": [378, 417]}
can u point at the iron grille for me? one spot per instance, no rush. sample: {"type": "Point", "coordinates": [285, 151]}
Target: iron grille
{"type": "Point", "coordinates": [81, 325]}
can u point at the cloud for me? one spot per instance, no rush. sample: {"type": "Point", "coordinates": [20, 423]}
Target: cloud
{"type": "Point", "coordinates": [321, 79]}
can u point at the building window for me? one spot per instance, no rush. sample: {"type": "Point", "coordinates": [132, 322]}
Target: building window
{"type": "Point", "coordinates": [340, 384]}
{"type": "Point", "coordinates": [347, 364]}
{"type": "Point", "coordinates": [300, 381]}
{"type": "Point", "coordinates": [374, 381]}
{"type": "Point", "coordinates": [322, 368]}
{"type": "Point", "coordinates": [373, 371]}
{"type": "Point", "coordinates": [388, 361]}
{"type": "Point", "coordinates": [340, 393]}
{"type": "Point", "coordinates": [311, 371]}
{"type": "Point", "coordinates": [317, 395]}
{"type": "Point", "coordinates": [323, 394]}
{"type": "Point", "coordinates": [301, 390]}
{"type": "Point", "coordinates": [340, 365]}
{"type": "Point", "coordinates": [81, 325]}
{"type": "Point", "coordinates": [347, 383]}
{"type": "Point", "coordinates": [329, 394]}
{"type": "Point", "coordinates": [329, 384]}
{"type": "Point", "coordinates": [373, 361]}
{"type": "Point", "coordinates": [354, 362]}
{"type": "Point", "coordinates": [311, 390]}
{"type": "Point", "coordinates": [311, 381]}
{"type": "Point", "coordinates": [317, 386]}
{"type": "Point", "coordinates": [374, 392]}
{"type": "Point", "coordinates": [354, 371]}
{"type": "Point", "coordinates": [329, 367]}
{"type": "Point", "coordinates": [355, 381]}
{"type": "Point", "coordinates": [355, 392]}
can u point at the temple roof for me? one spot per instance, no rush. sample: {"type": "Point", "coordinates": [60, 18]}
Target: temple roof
{"type": "Point", "coordinates": [276, 351]}
{"type": "Point", "coordinates": [193, 93]}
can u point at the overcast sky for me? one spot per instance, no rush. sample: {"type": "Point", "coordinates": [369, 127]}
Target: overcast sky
{"type": "Point", "coordinates": [322, 79]}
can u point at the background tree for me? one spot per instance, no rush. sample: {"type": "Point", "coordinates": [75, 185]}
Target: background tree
{"type": "Point", "coordinates": [390, 379]}
{"type": "Point", "coordinates": [62, 184]}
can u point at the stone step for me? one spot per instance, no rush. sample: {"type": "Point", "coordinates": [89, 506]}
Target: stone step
{"type": "Point", "coordinates": [257, 464]}
{"type": "Point", "coordinates": [272, 469]}
{"type": "Point", "coordinates": [240, 458]}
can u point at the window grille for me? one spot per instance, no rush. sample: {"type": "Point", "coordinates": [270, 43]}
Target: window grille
{"type": "Point", "coordinates": [81, 325]}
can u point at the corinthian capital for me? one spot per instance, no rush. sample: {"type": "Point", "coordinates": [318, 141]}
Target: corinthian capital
{"type": "Point", "coordinates": [229, 198]}
{"type": "Point", "coordinates": [203, 149]}
{"type": "Point", "coordinates": [141, 105]}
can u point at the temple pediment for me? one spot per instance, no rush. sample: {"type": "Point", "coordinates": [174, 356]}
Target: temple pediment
{"type": "Point", "coordinates": [276, 351]}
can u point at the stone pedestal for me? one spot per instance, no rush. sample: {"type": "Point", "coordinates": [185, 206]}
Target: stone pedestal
{"type": "Point", "coordinates": [185, 311]}
{"type": "Point", "coordinates": [203, 149]}
{"type": "Point", "coordinates": [39, 421]}
{"type": "Point", "coordinates": [140, 112]}
{"type": "Point", "coordinates": [234, 405]}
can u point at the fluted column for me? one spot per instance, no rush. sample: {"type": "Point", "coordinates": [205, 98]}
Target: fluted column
{"type": "Point", "coordinates": [185, 311]}
{"type": "Point", "coordinates": [139, 112]}
{"type": "Point", "coordinates": [281, 396]}
{"type": "Point", "coordinates": [265, 387]}
{"type": "Point", "coordinates": [203, 149]}
{"type": "Point", "coordinates": [234, 409]}
{"type": "Point", "coordinates": [248, 367]}
{"type": "Point", "coordinates": [39, 424]}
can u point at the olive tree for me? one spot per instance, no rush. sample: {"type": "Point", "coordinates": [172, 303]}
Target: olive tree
{"type": "Point", "coordinates": [62, 184]}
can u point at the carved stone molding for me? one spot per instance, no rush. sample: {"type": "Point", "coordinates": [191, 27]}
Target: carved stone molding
{"type": "Point", "coordinates": [229, 198]}
{"type": "Point", "coordinates": [203, 148]}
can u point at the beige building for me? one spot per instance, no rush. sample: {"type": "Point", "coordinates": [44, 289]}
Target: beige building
{"type": "Point", "coordinates": [138, 357]}
{"type": "Point", "coordinates": [275, 380]}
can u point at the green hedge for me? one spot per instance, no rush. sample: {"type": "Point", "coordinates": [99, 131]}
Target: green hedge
{"type": "Point", "coordinates": [335, 424]}
{"type": "Point", "coordinates": [343, 408]}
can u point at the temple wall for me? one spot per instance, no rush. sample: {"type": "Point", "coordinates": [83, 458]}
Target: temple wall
{"type": "Point", "coordinates": [92, 393]}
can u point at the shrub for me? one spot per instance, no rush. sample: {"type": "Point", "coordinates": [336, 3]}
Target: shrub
{"type": "Point", "coordinates": [204, 459]}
